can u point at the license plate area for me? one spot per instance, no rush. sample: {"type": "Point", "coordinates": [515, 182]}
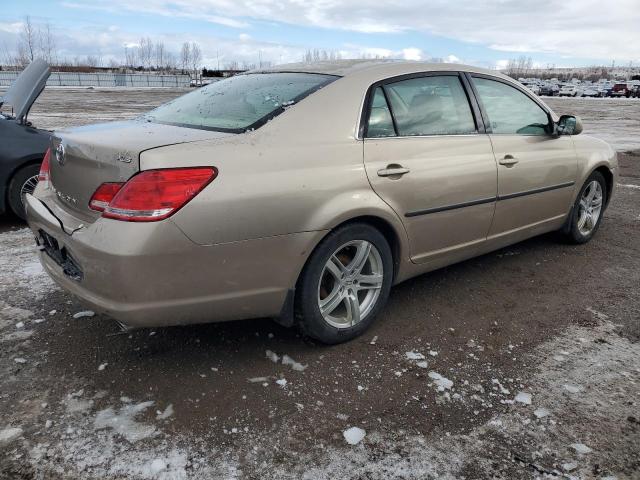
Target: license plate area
{"type": "Point", "coordinates": [60, 255]}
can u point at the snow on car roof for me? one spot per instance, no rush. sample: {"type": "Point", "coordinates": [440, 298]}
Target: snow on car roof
{"type": "Point", "coordinates": [393, 67]}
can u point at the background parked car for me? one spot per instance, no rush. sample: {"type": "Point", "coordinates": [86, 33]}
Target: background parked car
{"type": "Point", "coordinates": [22, 146]}
{"type": "Point", "coordinates": [591, 92]}
{"type": "Point", "coordinates": [570, 91]}
{"type": "Point", "coordinates": [549, 90]}
{"type": "Point", "coordinates": [621, 90]}
{"type": "Point", "coordinates": [535, 89]}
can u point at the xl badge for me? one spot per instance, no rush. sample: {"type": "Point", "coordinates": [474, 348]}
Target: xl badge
{"type": "Point", "coordinates": [124, 157]}
{"type": "Point", "coordinates": [60, 154]}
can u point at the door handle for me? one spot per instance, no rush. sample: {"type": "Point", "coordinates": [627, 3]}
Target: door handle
{"type": "Point", "coordinates": [508, 161]}
{"type": "Point", "coordinates": [393, 171]}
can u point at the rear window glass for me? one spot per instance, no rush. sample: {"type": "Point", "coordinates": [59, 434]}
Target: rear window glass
{"type": "Point", "coordinates": [239, 103]}
{"type": "Point", "coordinates": [380, 121]}
{"type": "Point", "coordinates": [431, 105]}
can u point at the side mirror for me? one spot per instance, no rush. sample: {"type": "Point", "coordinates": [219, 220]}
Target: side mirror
{"type": "Point", "coordinates": [568, 125]}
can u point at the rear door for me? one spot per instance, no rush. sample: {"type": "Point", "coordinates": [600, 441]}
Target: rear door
{"type": "Point", "coordinates": [536, 171]}
{"type": "Point", "coordinates": [427, 156]}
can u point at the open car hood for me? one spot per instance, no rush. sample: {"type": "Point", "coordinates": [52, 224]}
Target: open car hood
{"type": "Point", "coordinates": [26, 89]}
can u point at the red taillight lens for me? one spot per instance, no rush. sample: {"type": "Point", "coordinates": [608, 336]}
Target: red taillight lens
{"type": "Point", "coordinates": [43, 175]}
{"type": "Point", "coordinates": [103, 195]}
{"type": "Point", "coordinates": [156, 194]}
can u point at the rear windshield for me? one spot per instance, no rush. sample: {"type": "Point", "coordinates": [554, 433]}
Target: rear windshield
{"type": "Point", "coordinates": [239, 103]}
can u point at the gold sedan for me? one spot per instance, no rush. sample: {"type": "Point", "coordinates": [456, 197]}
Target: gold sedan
{"type": "Point", "coordinates": [304, 192]}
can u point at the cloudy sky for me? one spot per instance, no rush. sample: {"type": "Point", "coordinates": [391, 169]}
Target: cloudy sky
{"type": "Point", "coordinates": [561, 33]}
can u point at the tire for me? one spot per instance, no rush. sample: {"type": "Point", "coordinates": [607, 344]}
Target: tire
{"type": "Point", "coordinates": [21, 182]}
{"type": "Point", "coordinates": [579, 229]}
{"type": "Point", "coordinates": [336, 284]}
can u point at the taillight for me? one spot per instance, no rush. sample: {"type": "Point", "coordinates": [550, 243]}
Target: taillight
{"type": "Point", "coordinates": [43, 175]}
{"type": "Point", "coordinates": [153, 195]}
{"type": "Point", "coordinates": [103, 195]}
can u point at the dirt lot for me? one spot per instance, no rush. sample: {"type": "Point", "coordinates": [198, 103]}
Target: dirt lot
{"type": "Point", "coordinates": [522, 363]}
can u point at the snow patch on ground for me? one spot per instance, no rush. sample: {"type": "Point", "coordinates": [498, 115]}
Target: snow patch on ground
{"type": "Point", "coordinates": [523, 397]}
{"type": "Point", "coordinates": [123, 421]}
{"type": "Point", "coordinates": [10, 434]}
{"type": "Point", "coordinates": [441, 382]}
{"type": "Point", "coordinates": [535, 443]}
{"type": "Point", "coordinates": [19, 255]}
{"type": "Point", "coordinates": [354, 435]}
{"type": "Point", "coordinates": [127, 440]}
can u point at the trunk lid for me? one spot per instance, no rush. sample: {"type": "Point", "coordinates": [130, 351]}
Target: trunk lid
{"type": "Point", "coordinates": [26, 89]}
{"type": "Point", "coordinates": [82, 158]}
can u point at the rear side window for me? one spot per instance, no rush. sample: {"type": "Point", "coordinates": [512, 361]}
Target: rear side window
{"type": "Point", "coordinates": [432, 105]}
{"type": "Point", "coordinates": [509, 110]}
{"type": "Point", "coordinates": [380, 121]}
{"type": "Point", "coordinates": [239, 103]}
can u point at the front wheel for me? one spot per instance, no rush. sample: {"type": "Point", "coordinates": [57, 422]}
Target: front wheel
{"type": "Point", "coordinates": [345, 284]}
{"type": "Point", "coordinates": [24, 181]}
{"type": "Point", "coordinates": [588, 209]}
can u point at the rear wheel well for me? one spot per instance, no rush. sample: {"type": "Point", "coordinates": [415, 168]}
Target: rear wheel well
{"type": "Point", "coordinates": [387, 231]}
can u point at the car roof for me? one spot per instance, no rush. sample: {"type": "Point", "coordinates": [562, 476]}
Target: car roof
{"type": "Point", "coordinates": [375, 68]}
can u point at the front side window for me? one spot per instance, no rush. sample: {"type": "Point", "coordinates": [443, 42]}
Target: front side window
{"type": "Point", "coordinates": [509, 110]}
{"type": "Point", "coordinates": [432, 105]}
{"type": "Point", "coordinates": [238, 103]}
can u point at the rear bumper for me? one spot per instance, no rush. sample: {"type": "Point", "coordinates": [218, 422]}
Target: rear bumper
{"type": "Point", "coordinates": [151, 274]}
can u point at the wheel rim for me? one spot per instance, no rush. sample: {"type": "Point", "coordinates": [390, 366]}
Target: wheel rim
{"type": "Point", "coordinates": [350, 284]}
{"type": "Point", "coordinates": [590, 207]}
{"type": "Point", "coordinates": [28, 187]}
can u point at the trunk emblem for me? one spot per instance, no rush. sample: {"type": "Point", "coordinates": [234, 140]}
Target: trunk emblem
{"type": "Point", "coordinates": [60, 154]}
{"type": "Point", "coordinates": [124, 157]}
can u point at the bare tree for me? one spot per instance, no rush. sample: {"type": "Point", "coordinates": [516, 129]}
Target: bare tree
{"type": "Point", "coordinates": [8, 56]}
{"type": "Point", "coordinates": [145, 51]}
{"type": "Point", "coordinates": [28, 39]}
{"type": "Point", "coordinates": [170, 62]}
{"type": "Point", "coordinates": [160, 54]}
{"type": "Point", "coordinates": [93, 61]}
{"type": "Point", "coordinates": [232, 65]}
{"type": "Point", "coordinates": [316, 55]}
{"type": "Point", "coordinates": [130, 56]}
{"type": "Point", "coordinates": [48, 44]}
{"type": "Point", "coordinates": [185, 56]}
{"type": "Point", "coordinates": [196, 58]}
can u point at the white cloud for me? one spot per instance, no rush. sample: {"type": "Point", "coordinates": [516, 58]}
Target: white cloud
{"type": "Point", "coordinates": [412, 54]}
{"type": "Point", "coordinates": [580, 29]}
{"type": "Point", "coordinates": [14, 27]}
{"type": "Point", "coordinates": [568, 29]}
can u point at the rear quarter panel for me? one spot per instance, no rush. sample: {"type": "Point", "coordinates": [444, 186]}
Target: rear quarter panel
{"type": "Point", "coordinates": [303, 171]}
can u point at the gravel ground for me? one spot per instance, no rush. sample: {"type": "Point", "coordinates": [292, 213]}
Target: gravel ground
{"type": "Point", "coordinates": [522, 363]}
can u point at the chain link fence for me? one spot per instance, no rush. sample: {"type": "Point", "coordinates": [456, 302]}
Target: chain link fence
{"type": "Point", "coordinates": [77, 79]}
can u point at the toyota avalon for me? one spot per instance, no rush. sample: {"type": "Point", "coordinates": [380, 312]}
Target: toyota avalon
{"type": "Point", "coordinates": [304, 192]}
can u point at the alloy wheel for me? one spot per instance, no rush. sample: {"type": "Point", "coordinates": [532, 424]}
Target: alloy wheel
{"type": "Point", "coordinates": [350, 283]}
{"type": "Point", "coordinates": [590, 207]}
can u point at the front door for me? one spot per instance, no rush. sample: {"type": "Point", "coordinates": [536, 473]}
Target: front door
{"type": "Point", "coordinates": [536, 171]}
{"type": "Point", "coordinates": [425, 157]}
